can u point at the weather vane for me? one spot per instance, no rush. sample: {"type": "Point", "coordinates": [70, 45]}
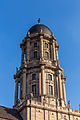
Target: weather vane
{"type": "Point", "coordinates": [39, 21]}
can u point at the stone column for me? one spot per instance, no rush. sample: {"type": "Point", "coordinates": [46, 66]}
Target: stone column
{"type": "Point", "coordinates": [28, 49]}
{"type": "Point", "coordinates": [41, 45]}
{"type": "Point", "coordinates": [16, 91]}
{"type": "Point", "coordinates": [24, 84]}
{"type": "Point", "coordinates": [57, 56]}
{"type": "Point", "coordinates": [40, 83]}
{"type": "Point", "coordinates": [51, 52]}
{"type": "Point", "coordinates": [57, 90]}
{"type": "Point", "coordinates": [55, 86]}
{"type": "Point", "coordinates": [21, 89]}
{"type": "Point", "coordinates": [60, 86]}
{"type": "Point", "coordinates": [28, 113]}
{"type": "Point", "coordinates": [54, 51]}
{"type": "Point", "coordinates": [43, 84]}
{"type": "Point", "coordinates": [22, 56]}
{"type": "Point", "coordinates": [64, 92]}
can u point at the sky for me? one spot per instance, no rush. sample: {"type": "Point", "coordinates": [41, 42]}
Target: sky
{"type": "Point", "coordinates": [16, 18]}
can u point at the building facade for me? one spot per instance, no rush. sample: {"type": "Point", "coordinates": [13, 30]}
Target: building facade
{"type": "Point", "coordinates": [40, 82]}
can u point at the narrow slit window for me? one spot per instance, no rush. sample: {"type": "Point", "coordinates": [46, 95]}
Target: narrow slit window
{"type": "Point", "coordinates": [35, 54]}
{"type": "Point", "coordinates": [33, 76]}
{"type": "Point", "coordinates": [35, 44]}
{"type": "Point", "coordinates": [46, 55]}
{"type": "Point", "coordinates": [46, 45]}
{"type": "Point", "coordinates": [34, 90]}
{"type": "Point", "coordinates": [49, 77]}
{"type": "Point", "coordinates": [50, 90]}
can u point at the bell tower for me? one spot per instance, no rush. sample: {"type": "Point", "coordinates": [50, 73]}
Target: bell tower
{"type": "Point", "coordinates": [40, 81]}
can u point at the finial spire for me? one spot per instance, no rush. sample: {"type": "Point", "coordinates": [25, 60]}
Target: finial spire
{"type": "Point", "coordinates": [39, 21]}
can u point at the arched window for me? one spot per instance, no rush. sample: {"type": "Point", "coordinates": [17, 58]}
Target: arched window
{"type": "Point", "coordinates": [33, 76]}
{"type": "Point", "coordinates": [35, 54]}
{"type": "Point", "coordinates": [35, 44]}
{"type": "Point", "coordinates": [50, 90]}
{"type": "Point", "coordinates": [46, 55]}
{"type": "Point", "coordinates": [49, 77]}
{"type": "Point", "coordinates": [46, 45]}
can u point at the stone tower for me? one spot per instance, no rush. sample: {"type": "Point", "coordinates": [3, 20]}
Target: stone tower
{"type": "Point", "coordinates": [40, 81]}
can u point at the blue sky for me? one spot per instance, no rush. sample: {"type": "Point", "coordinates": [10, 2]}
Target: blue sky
{"type": "Point", "coordinates": [62, 17]}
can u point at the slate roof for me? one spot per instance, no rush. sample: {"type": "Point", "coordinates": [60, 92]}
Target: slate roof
{"type": "Point", "coordinates": [9, 113]}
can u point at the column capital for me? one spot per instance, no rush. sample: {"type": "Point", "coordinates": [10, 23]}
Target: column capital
{"type": "Point", "coordinates": [63, 79]}
{"type": "Point", "coordinates": [41, 37]}
{"type": "Point", "coordinates": [42, 67]}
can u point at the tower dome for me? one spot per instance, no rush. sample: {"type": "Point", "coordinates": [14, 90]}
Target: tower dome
{"type": "Point", "coordinates": [40, 28]}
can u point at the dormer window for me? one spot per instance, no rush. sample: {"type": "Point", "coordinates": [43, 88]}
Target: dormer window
{"type": "Point", "coordinates": [46, 55]}
{"type": "Point", "coordinates": [35, 45]}
{"type": "Point", "coordinates": [35, 54]}
{"type": "Point", "coordinates": [46, 45]}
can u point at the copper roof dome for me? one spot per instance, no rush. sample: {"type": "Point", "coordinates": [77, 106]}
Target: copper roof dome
{"type": "Point", "coordinates": [40, 28]}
